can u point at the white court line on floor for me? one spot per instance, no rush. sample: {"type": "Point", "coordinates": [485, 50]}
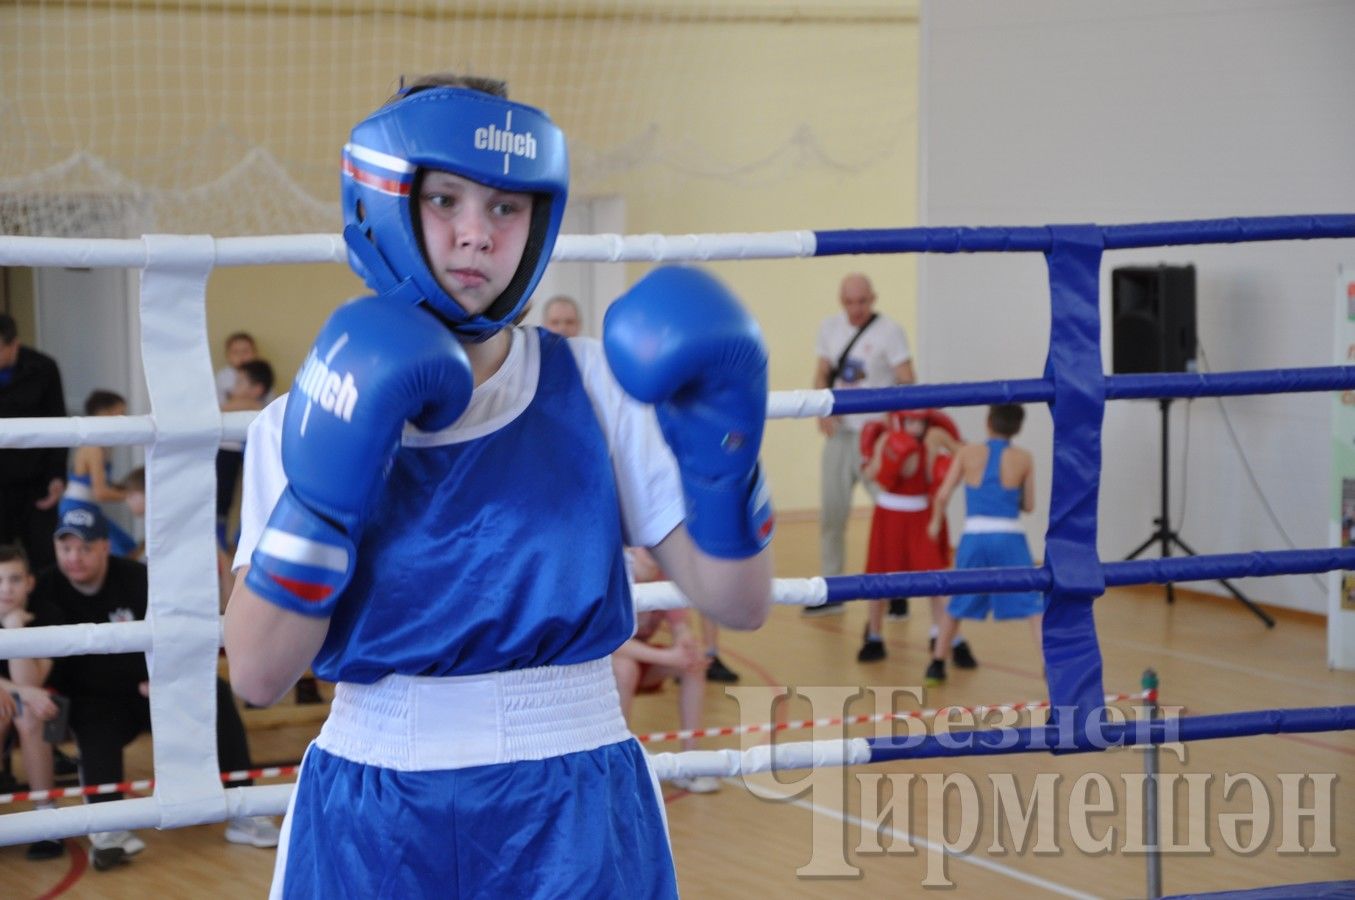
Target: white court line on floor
{"type": "Point", "coordinates": [982, 862]}
{"type": "Point", "coordinates": [1252, 671]}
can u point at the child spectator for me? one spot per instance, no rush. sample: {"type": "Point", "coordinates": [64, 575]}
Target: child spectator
{"type": "Point", "coordinates": [999, 484]}
{"type": "Point", "coordinates": [24, 703]}
{"type": "Point", "coordinates": [642, 666]}
{"type": "Point", "coordinates": [134, 495]}
{"type": "Point", "coordinates": [251, 388]}
{"type": "Point", "coordinates": [240, 349]}
{"type": "Point", "coordinates": [90, 482]}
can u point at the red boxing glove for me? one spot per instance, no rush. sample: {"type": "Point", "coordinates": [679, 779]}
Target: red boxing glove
{"type": "Point", "coordinates": [870, 436]}
{"type": "Point", "coordinates": [899, 446]}
{"type": "Point", "coordinates": [937, 418]}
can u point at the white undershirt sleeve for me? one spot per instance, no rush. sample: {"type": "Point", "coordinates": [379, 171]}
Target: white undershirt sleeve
{"type": "Point", "coordinates": [646, 473]}
{"type": "Point", "coordinates": [263, 480]}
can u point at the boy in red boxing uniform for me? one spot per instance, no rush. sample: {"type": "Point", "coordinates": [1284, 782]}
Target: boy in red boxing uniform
{"type": "Point", "coordinates": [907, 454]}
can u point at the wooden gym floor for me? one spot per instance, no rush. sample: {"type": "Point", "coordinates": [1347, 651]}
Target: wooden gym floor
{"type": "Point", "coordinates": [1211, 655]}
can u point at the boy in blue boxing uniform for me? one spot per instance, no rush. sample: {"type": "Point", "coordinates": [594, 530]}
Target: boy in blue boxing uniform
{"type": "Point", "coordinates": [434, 520]}
{"type": "Point", "coordinates": [999, 484]}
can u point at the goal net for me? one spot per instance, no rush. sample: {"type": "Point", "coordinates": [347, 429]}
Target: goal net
{"type": "Point", "coordinates": [120, 117]}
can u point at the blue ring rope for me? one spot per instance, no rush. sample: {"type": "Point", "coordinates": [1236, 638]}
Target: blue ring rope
{"type": "Point", "coordinates": [1076, 390]}
{"type": "Point", "coordinates": [1256, 564]}
{"type": "Point", "coordinates": [1040, 239]}
{"type": "Point", "coordinates": [1117, 387]}
{"type": "Point", "coordinates": [1101, 736]}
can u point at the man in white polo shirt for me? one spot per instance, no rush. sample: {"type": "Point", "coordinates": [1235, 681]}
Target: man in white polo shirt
{"type": "Point", "coordinates": [856, 348]}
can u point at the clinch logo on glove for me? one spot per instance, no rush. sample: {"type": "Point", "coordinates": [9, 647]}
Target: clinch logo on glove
{"type": "Point", "coordinates": [323, 387]}
{"type": "Point", "coordinates": [506, 141]}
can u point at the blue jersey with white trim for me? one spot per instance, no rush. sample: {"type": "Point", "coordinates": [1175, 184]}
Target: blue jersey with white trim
{"type": "Point", "coordinates": [499, 552]}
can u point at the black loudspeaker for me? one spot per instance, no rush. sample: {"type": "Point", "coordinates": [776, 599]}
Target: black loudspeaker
{"type": "Point", "coordinates": [1153, 318]}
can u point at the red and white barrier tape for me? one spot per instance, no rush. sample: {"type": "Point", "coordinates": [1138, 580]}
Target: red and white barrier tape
{"type": "Point", "coordinates": [144, 784]}
{"type": "Point", "coordinates": [799, 724]}
{"type": "Point", "coordinates": [725, 731]}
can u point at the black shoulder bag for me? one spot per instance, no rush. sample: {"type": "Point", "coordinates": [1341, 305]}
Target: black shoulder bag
{"type": "Point", "coordinates": [841, 360]}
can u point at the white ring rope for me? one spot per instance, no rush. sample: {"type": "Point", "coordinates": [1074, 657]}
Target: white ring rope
{"type": "Point", "coordinates": [75, 640]}
{"type": "Point", "coordinates": [786, 591]}
{"type": "Point", "coordinates": [131, 253]}
{"type": "Point", "coordinates": [133, 637]}
{"type": "Point", "coordinates": [103, 431]}
{"type": "Point", "coordinates": [129, 431]}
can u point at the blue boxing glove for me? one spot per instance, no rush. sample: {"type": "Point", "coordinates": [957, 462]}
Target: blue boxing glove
{"type": "Point", "coordinates": [375, 364]}
{"type": "Point", "coordinates": [680, 340]}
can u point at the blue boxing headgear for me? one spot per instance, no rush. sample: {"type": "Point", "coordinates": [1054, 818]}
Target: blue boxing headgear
{"type": "Point", "coordinates": [501, 144]}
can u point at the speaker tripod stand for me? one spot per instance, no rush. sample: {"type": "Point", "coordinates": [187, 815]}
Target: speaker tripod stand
{"type": "Point", "coordinates": [1165, 536]}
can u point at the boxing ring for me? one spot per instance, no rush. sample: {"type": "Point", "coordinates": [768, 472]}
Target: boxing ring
{"type": "Point", "coordinates": [182, 633]}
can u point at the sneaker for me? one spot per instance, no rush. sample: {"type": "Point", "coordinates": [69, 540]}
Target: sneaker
{"type": "Point", "coordinates": [898, 609]}
{"type": "Point", "coordinates": [63, 764]}
{"type": "Point", "coordinates": [963, 657]}
{"type": "Point", "coordinates": [257, 831]}
{"type": "Point", "coordinates": [831, 608]}
{"type": "Point", "coordinates": [871, 651]}
{"type": "Point", "coordinates": [720, 672]}
{"type": "Point", "coordinates": [45, 850]}
{"type": "Point", "coordinates": [936, 673]}
{"type": "Point", "coordinates": [308, 691]}
{"type": "Point", "coordinates": [108, 848]}
{"type": "Point", "coordinates": [698, 784]}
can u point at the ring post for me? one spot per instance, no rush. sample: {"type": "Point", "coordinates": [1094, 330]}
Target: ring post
{"type": "Point", "coordinates": [1150, 770]}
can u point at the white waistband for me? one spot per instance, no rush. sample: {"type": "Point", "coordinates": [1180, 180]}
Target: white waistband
{"type": "Point", "coordinates": [901, 502]}
{"type": "Point", "coordinates": [78, 490]}
{"type": "Point", "coordinates": [419, 724]}
{"type": "Point", "coordinates": [991, 525]}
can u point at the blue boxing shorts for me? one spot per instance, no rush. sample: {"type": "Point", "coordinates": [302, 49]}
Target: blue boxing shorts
{"type": "Point", "coordinates": [989, 549]}
{"type": "Point", "coordinates": [524, 783]}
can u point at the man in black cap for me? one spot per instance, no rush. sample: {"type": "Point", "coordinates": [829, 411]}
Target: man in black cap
{"type": "Point", "coordinates": [109, 691]}
{"type": "Point", "coordinates": [31, 480]}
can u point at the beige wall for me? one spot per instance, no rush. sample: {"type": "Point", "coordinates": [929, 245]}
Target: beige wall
{"type": "Point", "coordinates": [743, 122]}
{"type": "Point", "coordinates": [19, 296]}
{"type": "Point", "coordinates": [282, 306]}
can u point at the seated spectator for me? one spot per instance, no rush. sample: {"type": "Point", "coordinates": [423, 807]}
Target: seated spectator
{"type": "Point", "coordinates": [109, 693]}
{"type": "Point", "coordinates": [717, 671]}
{"type": "Point", "coordinates": [24, 702]}
{"type": "Point", "coordinates": [642, 666]}
{"type": "Point", "coordinates": [90, 482]}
